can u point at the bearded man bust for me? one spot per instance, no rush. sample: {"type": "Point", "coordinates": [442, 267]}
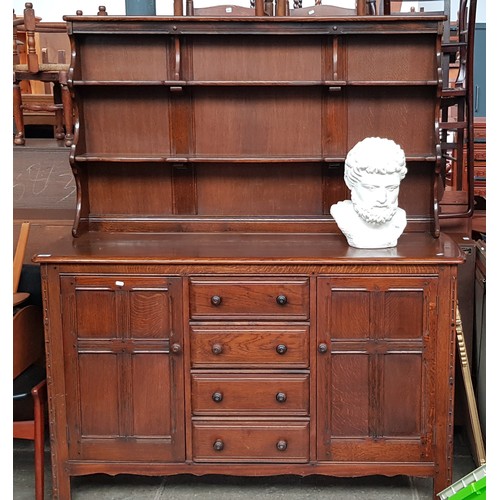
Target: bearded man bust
{"type": "Point", "coordinates": [374, 168]}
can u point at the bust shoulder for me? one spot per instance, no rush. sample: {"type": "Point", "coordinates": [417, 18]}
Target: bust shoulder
{"type": "Point", "coordinates": [342, 212]}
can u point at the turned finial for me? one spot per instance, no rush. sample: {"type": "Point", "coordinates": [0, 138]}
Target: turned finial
{"type": "Point", "coordinates": [102, 11]}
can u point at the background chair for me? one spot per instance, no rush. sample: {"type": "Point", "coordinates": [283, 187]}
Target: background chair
{"type": "Point", "coordinates": [29, 381]}
{"type": "Point", "coordinates": [457, 108]}
{"type": "Point", "coordinates": [29, 386]}
{"type": "Point", "coordinates": [256, 8]}
{"type": "Point", "coordinates": [32, 65]}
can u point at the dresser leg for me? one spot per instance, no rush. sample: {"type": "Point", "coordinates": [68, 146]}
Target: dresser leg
{"type": "Point", "coordinates": [61, 485]}
{"type": "Point", "coordinates": [440, 483]}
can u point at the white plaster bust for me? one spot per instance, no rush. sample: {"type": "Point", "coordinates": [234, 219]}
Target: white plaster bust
{"type": "Point", "coordinates": [374, 168]}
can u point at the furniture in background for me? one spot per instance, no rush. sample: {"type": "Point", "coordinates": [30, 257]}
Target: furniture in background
{"type": "Point", "coordinates": [20, 297]}
{"type": "Point", "coordinates": [29, 380]}
{"type": "Point", "coordinates": [29, 385]}
{"type": "Point", "coordinates": [32, 65]}
{"type": "Point", "coordinates": [479, 356]}
{"type": "Point", "coordinates": [479, 159]}
{"type": "Point", "coordinates": [457, 111]}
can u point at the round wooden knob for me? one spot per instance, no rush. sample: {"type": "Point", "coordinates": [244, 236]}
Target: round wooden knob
{"type": "Point", "coordinates": [281, 300]}
{"type": "Point", "coordinates": [322, 348]}
{"type": "Point", "coordinates": [281, 348]}
{"type": "Point", "coordinates": [219, 445]}
{"type": "Point", "coordinates": [281, 397]}
{"type": "Point", "coordinates": [217, 397]}
{"type": "Point", "coordinates": [216, 300]}
{"type": "Point", "coordinates": [281, 445]}
{"type": "Point", "coordinates": [217, 349]}
{"type": "Point", "coordinates": [176, 348]}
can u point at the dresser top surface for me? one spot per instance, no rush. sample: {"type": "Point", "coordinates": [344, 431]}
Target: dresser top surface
{"type": "Point", "coordinates": [242, 248]}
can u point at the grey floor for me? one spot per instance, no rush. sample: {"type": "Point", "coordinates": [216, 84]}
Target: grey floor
{"type": "Point", "coordinates": [187, 487]}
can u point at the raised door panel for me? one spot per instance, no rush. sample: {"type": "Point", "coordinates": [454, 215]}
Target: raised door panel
{"type": "Point", "coordinates": [376, 365]}
{"type": "Point", "coordinates": [124, 382]}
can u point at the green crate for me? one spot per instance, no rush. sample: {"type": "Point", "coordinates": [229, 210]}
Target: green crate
{"type": "Point", "coordinates": [470, 487]}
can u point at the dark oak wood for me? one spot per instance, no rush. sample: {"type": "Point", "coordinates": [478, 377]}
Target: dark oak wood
{"type": "Point", "coordinates": [208, 316]}
{"type": "Point", "coordinates": [243, 120]}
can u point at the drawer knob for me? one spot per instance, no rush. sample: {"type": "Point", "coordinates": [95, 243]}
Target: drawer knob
{"type": "Point", "coordinates": [281, 397]}
{"type": "Point", "coordinates": [322, 348]}
{"type": "Point", "coordinates": [282, 445]}
{"type": "Point", "coordinates": [176, 348]}
{"type": "Point", "coordinates": [281, 300]}
{"type": "Point", "coordinates": [216, 300]}
{"type": "Point", "coordinates": [219, 445]}
{"type": "Point", "coordinates": [217, 349]}
{"type": "Point", "coordinates": [281, 348]}
{"type": "Point", "coordinates": [217, 397]}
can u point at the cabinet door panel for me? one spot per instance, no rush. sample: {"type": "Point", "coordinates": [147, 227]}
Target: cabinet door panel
{"type": "Point", "coordinates": [402, 382]}
{"type": "Point", "coordinates": [92, 325]}
{"type": "Point", "coordinates": [98, 375]}
{"type": "Point", "coordinates": [151, 381]}
{"type": "Point", "coordinates": [147, 314]}
{"type": "Point", "coordinates": [403, 314]}
{"type": "Point", "coordinates": [349, 395]}
{"type": "Point", "coordinates": [378, 366]}
{"type": "Point", "coordinates": [124, 384]}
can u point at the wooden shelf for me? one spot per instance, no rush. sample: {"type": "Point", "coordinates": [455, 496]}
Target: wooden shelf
{"type": "Point", "coordinates": [253, 83]}
{"type": "Point", "coordinates": [167, 158]}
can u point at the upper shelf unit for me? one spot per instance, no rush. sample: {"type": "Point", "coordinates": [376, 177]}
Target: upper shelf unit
{"type": "Point", "coordinates": [198, 106]}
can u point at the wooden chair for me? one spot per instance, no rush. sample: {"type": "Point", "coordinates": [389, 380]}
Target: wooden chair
{"type": "Point", "coordinates": [319, 9]}
{"type": "Point", "coordinates": [456, 122]}
{"type": "Point", "coordinates": [29, 386]}
{"type": "Point", "coordinates": [29, 383]}
{"type": "Point", "coordinates": [256, 8]}
{"type": "Point", "coordinates": [457, 109]}
{"type": "Point", "coordinates": [37, 68]}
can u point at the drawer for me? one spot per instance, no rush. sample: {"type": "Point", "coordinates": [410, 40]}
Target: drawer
{"type": "Point", "coordinates": [233, 392]}
{"type": "Point", "coordinates": [262, 441]}
{"type": "Point", "coordinates": [243, 297]}
{"type": "Point", "coordinates": [479, 130]}
{"type": "Point", "coordinates": [479, 154]}
{"type": "Point", "coordinates": [480, 173]}
{"type": "Point", "coordinates": [255, 346]}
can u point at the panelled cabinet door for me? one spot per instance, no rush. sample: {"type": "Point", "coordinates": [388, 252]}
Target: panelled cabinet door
{"type": "Point", "coordinates": [123, 367]}
{"type": "Point", "coordinates": [376, 366]}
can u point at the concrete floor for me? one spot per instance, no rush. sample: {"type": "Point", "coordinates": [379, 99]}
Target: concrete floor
{"type": "Point", "coordinates": [187, 487]}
